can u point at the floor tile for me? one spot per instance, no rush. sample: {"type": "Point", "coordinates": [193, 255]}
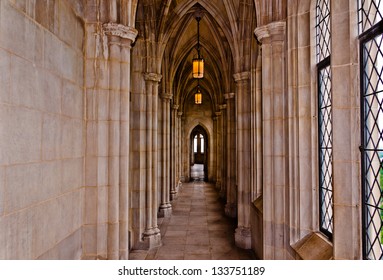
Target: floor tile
{"type": "Point", "coordinates": [197, 229]}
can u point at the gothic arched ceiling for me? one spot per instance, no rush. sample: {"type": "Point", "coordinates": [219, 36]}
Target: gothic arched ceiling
{"type": "Point", "coordinates": [171, 24]}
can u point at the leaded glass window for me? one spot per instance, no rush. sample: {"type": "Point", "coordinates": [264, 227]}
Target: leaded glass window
{"type": "Point", "coordinates": [371, 60]}
{"type": "Point", "coordinates": [323, 47]}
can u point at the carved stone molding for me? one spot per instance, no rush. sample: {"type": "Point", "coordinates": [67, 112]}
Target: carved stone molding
{"type": "Point", "coordinates": [242, 76]}
{"type": "Point", "coordinates": [222, 107]}
{"type": "Point", "coordinates": [229, 95]}
{"type": "Point", "coordinates": [166, 96]}
{"type": "Point", "coordinates": [154, 77]}
{"type": "Point", "coordinates": [120, 30]}
{"type": "Point", "coordinates": [274, 31]}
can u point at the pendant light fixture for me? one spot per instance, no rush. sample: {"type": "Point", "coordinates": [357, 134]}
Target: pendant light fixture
{"type": "Point", "coordinates": [198, 95]}
{"type": "Point", "coordinates": [198, 62]}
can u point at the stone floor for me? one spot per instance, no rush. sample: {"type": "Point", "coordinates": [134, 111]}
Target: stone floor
{"type": "Point", "coordinates": [197, 230]}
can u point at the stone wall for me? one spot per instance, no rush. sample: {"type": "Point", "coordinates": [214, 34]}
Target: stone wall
{"type": "Point", "coordinates": [41, 129]}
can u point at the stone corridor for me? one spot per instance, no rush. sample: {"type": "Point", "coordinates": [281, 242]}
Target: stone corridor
{"type": "Point", "coordinates": [197, 230]}
{"type": "Point", "coordinates": [111, 148]}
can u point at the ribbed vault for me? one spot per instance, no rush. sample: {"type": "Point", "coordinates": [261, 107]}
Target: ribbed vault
{"type": "Point", "coordinates": [172, 25]}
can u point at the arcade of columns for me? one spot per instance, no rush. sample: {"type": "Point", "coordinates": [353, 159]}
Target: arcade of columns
{"type": "Point", "coordinates": [261, 126]}
{"type": "Point", "coordinates": [235, 151]}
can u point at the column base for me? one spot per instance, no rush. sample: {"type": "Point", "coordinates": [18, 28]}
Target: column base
{"type": "Point", "coordinates": [151, 241]}
{"type": "Point", "coordinates": [243, 237]}
{"type": "Point", "coordinates": [165, 211]}
{"type": "Point", "coordinates": [231, 210]}
{"type": "Point", "coordinates": [218, 185]}
{"type": "Point", "coordinates": [124, 255]}
{"type": "Point", "coordinates": [111, 256]}
{"type": "Point", "coordinates": [173, 195]}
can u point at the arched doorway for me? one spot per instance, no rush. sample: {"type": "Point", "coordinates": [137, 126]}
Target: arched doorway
{"type": "Point", "coordinates": [199, 154]}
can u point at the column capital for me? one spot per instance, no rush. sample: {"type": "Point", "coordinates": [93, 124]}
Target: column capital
{"type": "Point", "coordinates": [274, 31]}
{"type": "Point", "coordinates": [218, 114]}
{"type": "Point", "coordinates": [242, 76]}
{"type": "Point", "coordinates": [120, 30]}
{"type": "Point", "coordinates": [175, 107]}
{"type": "Point", "coordinates": [222, 107]}
{"type": "Point", "coordinates": [180, 114]}
{"type": "Point", "coordinates": [166, 96]}
{"type": "Point", "coordinates": [229, 95]}
{"type": "Point", "coordinates": [154, 77]}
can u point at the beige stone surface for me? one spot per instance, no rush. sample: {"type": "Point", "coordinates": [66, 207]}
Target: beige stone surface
{"type": "Point", "coordinates": [41, 108]}
{"type": "Point", "coordinates": [21, 133]}
{"type": "Point", "coordinates": [314, 247]}
{"type": "Point", "coordinates": [2, 191]}
{"type": "Point", "coordinates": [96, 115]}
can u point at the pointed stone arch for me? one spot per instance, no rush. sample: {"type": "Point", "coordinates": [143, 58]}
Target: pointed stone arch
{"type": "Point", "coordinates": [203, 156]}
{"type": "Point", "coordinates": [208, 130]}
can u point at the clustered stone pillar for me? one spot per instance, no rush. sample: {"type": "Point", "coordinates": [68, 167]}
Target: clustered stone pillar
{"type": "Point", "coordinates": [125, 146]}
{"type": "Point", "coordinates": [180, 177]}
{"type": "Point", "coordinates": [182, 150]}
{"type": "Point", "coordinates": [114, 146]}
{"type": "Point", "coordinates": [152, 236]}
{"type": "Point", "coordinates": [120, 38]}
{"type": "Point", "coordinates": [175, 154]}
{"type": "Point", "coordinates": [272, 37]}
{"type": "Point", "coordinates": [231, 191]}
{"type": "Point", "coordinates": [217, 149]}
{"type": "Point", "coordinates": [256, 137]}
{"type": "Point", "coordinates": [165, 207]}
{"type": "Point", "coordinates": [243, 231]}
{"type": "Point", "coordinates": [221, 184]}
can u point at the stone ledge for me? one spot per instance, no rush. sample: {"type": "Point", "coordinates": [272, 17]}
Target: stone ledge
{"type": "Point", "coordinates": [258, 204]}
{"type": "Point", "coordinates": [314, 247]}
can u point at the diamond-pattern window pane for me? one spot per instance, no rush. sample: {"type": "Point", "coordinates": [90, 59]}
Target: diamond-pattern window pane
{"type": "Point", "coordinates": [323, 30]}
{"type": "Point", "coordinates": [372, 126]}
{"type": "Point", "coordinates": [370, 13]}
{"type": "Point", "coordinates": [325, 151]}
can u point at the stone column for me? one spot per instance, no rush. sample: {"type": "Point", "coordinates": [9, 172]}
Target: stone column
{"type": "Point", "coordinates": [174, 153]}
{"type": "Point", "coordinates": [272, 37]}
{"type": "Point", "coordinates": [216, 151]}
{"type": "Point", "coordinates": [219, 151]}
{"type": "Point", "coordinates": [165, 207]}
{"type": "Point", "coordinates": [184, 173]}
{"type": "Point", "coordinates": [221, 183]}
{"type": "Point", "coordinates": [243, 110]}
{"type": "Point", "coordinates": [256, 137]}
{"type": "Point", "coordinates": [346, 127]}
{"type": "Point", "coordinates": [152, 236]}
{"type": "Point", "coordinates": [231, 192]}
{"type": "Point", "coordinates": [120, 38]}
{"type": "Point", "coordinates": [114, 146]}
{"type": "Point", "coordinates": [180, 176]}
{"type": "Point", "coordinates": [126, 43]}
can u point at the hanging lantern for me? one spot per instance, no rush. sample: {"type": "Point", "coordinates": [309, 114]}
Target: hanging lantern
{"type": "Point", "coordinates": [198, 65]}
{"type": "Point", "coordinates": [198, 62]}
{"type": "Point", "coordinates": [198, 96]}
